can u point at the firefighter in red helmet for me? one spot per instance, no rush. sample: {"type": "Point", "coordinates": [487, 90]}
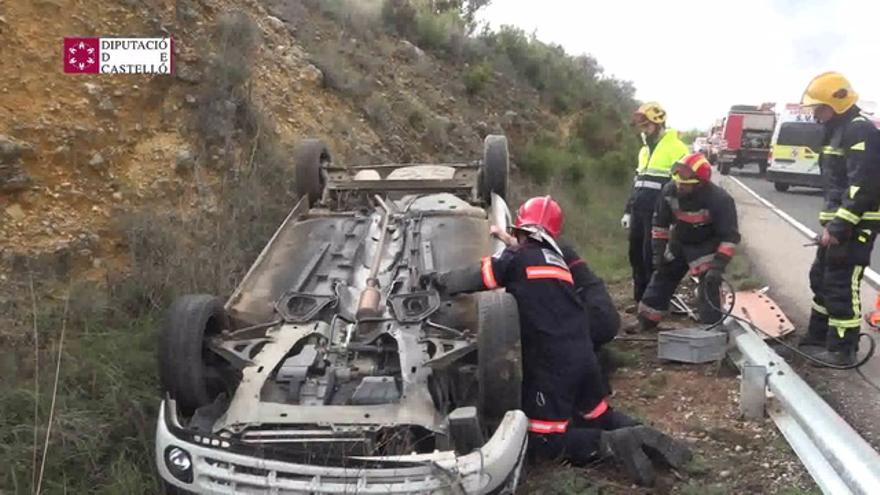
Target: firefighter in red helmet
{"type": "Point", "coordinates": [694, 230]}
{"type": "Point", "coordinates": [563, 394]}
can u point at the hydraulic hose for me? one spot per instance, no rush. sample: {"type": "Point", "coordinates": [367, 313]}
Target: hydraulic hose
{"type": "Point", "coordinates": [728, 313]}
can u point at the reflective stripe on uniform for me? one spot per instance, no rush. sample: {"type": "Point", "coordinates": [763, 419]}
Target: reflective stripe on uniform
{"type": "Point", "coordinates": [830, 150]}
{"type": "Point", "coordinates": [726, 248]}
{"type": "Point", "coordinates": [544, 427]}
{"type": "Point", "coordinates": [819, 309]}
{"type": "Point", "coordinates": [488, 274]}
{"type": "Point", "coordinates": [659, 233]}
{"type": "Point", "coordinates": [858, 146]}
{"type": "Point", "coordinates": [699, 216]}
{"type": "Point", "coordinates": [856, 293]}
{"type": "Point", "coordinates": [553, 272]}
{"type": "Point", "coordinates": [847, 215]}
{"type": "Point", "coordinates": [597, 411]}
{"type": "Point", "coordinates": [648, 184]}
{"type": "Point", "coordinates": [701, 264]}
{"type": "Point", "coordinates": [826, 215]}
{"type": "Point", "coordinates": [853, 190]}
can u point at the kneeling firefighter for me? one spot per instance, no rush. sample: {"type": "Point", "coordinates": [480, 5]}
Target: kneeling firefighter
{"type": "Point", "coordinates": [563, 393]}
{"type": "Point", "coordinates": [850, 164]}
{"type": "Point", "coordinates": [694, 231]}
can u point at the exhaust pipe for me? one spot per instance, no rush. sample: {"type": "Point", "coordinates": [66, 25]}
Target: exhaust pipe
{"type": "Point", "coordinates": [371, 297]}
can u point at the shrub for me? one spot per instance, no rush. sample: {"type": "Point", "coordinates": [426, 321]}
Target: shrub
{"type": "Point", "coordinates": [477, 77]}
{"type": "Point", "coordinates": [378, 111]}
{"type": "Point", "coordinates": [338, 76]}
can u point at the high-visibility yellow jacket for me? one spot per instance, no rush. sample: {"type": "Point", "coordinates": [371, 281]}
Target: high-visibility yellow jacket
{"type": "Point", "coordinates": [659, 163]}
{"type": "Point", "coordinates": [655, 167]}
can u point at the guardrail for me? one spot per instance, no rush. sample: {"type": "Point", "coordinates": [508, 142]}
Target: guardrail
{"type": "Point", "coordinates": [837, 457]}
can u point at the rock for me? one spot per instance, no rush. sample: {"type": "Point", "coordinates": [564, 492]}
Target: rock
{"type": "Point", "coordinates": [92, 89]}
{"type": "Point", "coordinates": [190, 99]}
{"type": "Point", "coordinates": [724, 474]}
{"type": "Point", "coordinates": [117, 196]}
{"type": "Point", "coordinates": [12, 149]}
{"type": "Point", "coordinates": [13, 179]}
{"type": "Point", "coordinates": [15, 212]}
{"type": "Point", "coordinates": [311, 74]}
{"type": "Point", "coordinates": [185, 160]}
{"type": "Point", "coordinates": [97, 160]}
{"type": "Point", "coordinates": [106, 105]}
{"type": "Point", "coordinates": [187, 73]}
{"type": "Point", "coordinates": [411, 52]}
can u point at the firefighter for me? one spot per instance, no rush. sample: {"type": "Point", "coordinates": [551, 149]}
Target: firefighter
{"type": "Point", "coordinates": [603, 318]}
{"type": "Point", "coordinates": [850, 164]}
{"type": "Point", "coordinates": [563, 393]}
{"type": "Point", "coordinates": [661, 149]}
{"type": "Point", "coordinates": [694, 231]}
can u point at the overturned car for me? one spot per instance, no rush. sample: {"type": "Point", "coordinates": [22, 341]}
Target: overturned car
{"type": "Point", "coordinates": [331, 369]}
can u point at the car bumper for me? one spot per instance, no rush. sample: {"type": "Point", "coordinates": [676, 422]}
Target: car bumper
{"type": "Point", "coordinates": [792, 178]}
{"type": "Point", "coordinates": [495, 468]}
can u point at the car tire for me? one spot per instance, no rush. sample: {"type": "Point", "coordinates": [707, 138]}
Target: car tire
{"type": "Point", "coordinates": [724, 168]}
{"type": "Point", "coordinates": [495, 169]}
{"type": "Point", "coordinates": [780, 186]}
{"type": "Point", "coordinates": [310, 157]}
{"type": "Point", "coordinates": [500, 356]}
{"type": "Point", "coordinates": [188, 371]}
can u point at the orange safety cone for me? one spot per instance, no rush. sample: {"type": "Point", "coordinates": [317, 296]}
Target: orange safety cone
{"type": "Point", "coordinates": [874, 317]}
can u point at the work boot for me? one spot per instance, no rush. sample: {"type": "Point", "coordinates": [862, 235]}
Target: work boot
{"type": "Point", "coordinates": [840, 357]}
{"type": "Point", "coordinates": [641, 325]}
{"type": "Point", "coordinates": [634, 447]}
{"type": "Point", "coordinates": [625, 447]}
{"type": "Point", "coordinates": [842, 349]}
{"type": "Point", "coordinates": [664, 448]}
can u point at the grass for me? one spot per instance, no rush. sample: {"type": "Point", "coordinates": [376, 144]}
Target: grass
{"type": "Point", "coordinates": [106, 406]}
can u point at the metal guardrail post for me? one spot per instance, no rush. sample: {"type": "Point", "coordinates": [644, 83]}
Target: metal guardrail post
{"type": "Point", "coordinates": [852, 459]}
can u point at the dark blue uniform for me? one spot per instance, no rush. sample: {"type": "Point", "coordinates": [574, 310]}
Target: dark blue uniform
{"type": "Point", "coordinates": [563, 390]}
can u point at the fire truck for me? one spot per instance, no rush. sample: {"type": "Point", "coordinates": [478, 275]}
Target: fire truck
{"type": "Point", "coordinates": [746, 135]}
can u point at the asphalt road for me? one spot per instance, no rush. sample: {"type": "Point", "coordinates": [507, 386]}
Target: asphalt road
{"type": "Point", "coordinates": [802, 203]}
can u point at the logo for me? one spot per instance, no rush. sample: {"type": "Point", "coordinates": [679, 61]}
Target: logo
{"type": "Point", "coordinates": [81, 55]}
{"type": "Point", "coordinates": [118, 55]}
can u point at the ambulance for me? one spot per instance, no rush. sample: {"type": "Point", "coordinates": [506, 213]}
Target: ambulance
{"type": "Point", "coordinates": [797, 142]}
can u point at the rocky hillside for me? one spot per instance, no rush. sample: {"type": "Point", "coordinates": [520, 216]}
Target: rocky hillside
{"type": "Point", "coordinates": [119, 192]}
{"type": "Point", "coordinates": [78, 152]}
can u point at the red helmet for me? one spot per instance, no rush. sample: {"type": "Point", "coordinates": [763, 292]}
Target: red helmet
{"type": "Point", "coordinates": [543, 212]}
{"type": "Point", "coordinates": [696, 162]}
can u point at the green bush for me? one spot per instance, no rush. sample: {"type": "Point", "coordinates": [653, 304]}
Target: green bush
{"type": "Point", "coordinates": [477, 77]}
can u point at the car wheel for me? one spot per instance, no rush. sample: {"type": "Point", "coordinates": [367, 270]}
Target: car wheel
{"type": "Point", "coordinates": [780, 186]}
{"type": "Point", "coordinates": [188, 370]}
{"type": "Point", "coordinates": [500, 356]}
{"type": "Point", "coordinates": [495, 169]}
{"type": "Point", "coordinates": [724, 168]}
{"type": "Point", "coordinates": [310, 157]}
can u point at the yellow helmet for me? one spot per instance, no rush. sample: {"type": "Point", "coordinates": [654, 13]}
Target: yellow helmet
{"type": "Point", "coordinates": [652, 111]}
{"type": "Point", "coordinates": [831, 89]}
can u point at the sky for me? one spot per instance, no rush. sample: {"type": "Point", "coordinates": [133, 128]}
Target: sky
{"type": "Point", "coordinates": [699, 57]}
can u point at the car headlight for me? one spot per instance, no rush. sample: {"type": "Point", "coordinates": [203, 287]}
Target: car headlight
{"type": "Point", "coordinates": [179, 463]}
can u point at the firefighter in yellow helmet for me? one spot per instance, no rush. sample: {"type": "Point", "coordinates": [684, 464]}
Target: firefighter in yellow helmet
{"type": "Point", "coordinates": [661, 149]}
{"type": "Point", "coordinates": [850, 164]}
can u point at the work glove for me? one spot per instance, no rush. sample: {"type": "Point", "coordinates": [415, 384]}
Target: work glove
{"type": "Point", "coordinates": [624, 221]}
{"type": "Point", "coordinates": [432, 281]}
{"type": "Point", "coordinates": [634, 447]}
